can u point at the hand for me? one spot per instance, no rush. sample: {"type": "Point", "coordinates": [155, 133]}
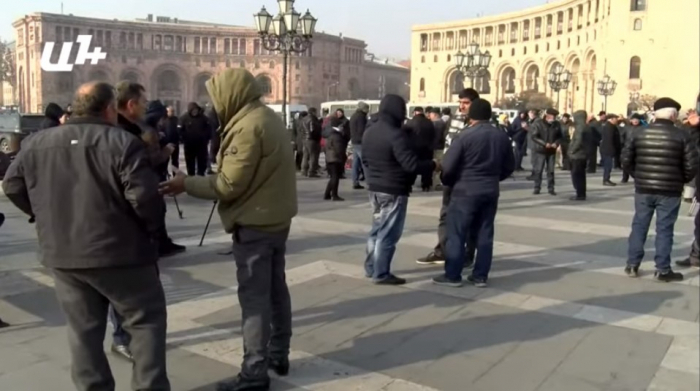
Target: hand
{"type": "Point", "coordinates": [548, 145]}
{"type": "Point", "coordinates": [175, 186]}
{"type": "Point", "coordinates": [694, 119]}
{"type": "Point", "coordinates": [169, 149]}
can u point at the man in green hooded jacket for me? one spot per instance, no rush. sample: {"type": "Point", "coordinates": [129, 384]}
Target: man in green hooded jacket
{"type": "Point", "coordinates": [256, 191]}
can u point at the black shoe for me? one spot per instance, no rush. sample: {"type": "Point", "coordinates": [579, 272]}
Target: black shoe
{"type": "Point", "coordinates": [632, 271]}
{"type": "Point", "coordinates": [336, 198]}
{"type": "Point", "coordinates": [577, 198]}
{"type": "Point", "coordinates": [3, 324]}
{"type": "Point", "coordinates": [123, 352]}
{"type": "Point", "coordinates": [433, 258]}
{"type": "Point", "coordinates": [391, 280]}
{"type": "Point", "coordinates": [689, 262]}
{"type": "Point", "coordinates": [444, 281]}
{"type": "Point", "coordinates": [170, 249]}
{"type": "Point", "coordinates": [552, 193]}
{"type": "Point", "coordinates": [239, 383]}
{"type": "Point", "coordinates": [668, 276]}
{"type": "Point", "coordinates": [477, 282]}
{"type": "Point", "coordinates": [327, 198]}
{"type": "Point", "coordinates": [610, 184]}
{"type": "Point", "coordinates": [536, 192]}
{"type": "Point", "coordinates": [358, 187]}
{"type": "Point", "coordinates": [625, 181]}
{"type": "Point", "coordinates": [2, 219]}
{"type": "Point", "coordinates": [279, 365]}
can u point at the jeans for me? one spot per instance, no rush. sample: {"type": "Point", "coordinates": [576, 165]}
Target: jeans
{"type": "Point", "coordinates": [578, 176]}
{"type": "Point", "coordinates": [357, 168]}
{"type": "Point", "coordinates": [540, 161]}
{"type": "Point", "coordinates": [119, 336]}
{"type": "Point", "coordinates": [466, 215]}
{"type": "Point", "coordinates": [442, 230]}
{"type": "Point", "coordinates": [388, 218]}
{"type": "Point", "coordinates": [666, 209]}
{"type": "Point", "coordinates": [607, 167]}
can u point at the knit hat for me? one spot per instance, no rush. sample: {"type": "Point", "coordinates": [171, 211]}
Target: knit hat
{"type": "Point", "coordinates": [665, 103]}
{"type": "Point", "coordinates": [480, 110]}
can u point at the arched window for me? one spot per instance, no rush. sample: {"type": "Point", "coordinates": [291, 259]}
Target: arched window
{"type": "Point", "coordinates": [638, 5]}
{"type": "Point", "coordinates": [449, 57]}
{"type": "Point", "coordinates": [265, 84]}
{"type": "Point", "coordinates": [635, 67]}
{"type": "Point", "coordinates": [422, 85]}
{"type": "Point", "coordinates": [637, 24]}
{"type": "Point", "coordinates": [456, 83]}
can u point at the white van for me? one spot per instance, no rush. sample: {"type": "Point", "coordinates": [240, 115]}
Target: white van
{"type": "Point", "coordinates": [292, 110]}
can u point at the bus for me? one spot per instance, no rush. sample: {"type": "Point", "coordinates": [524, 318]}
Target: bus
{"type": "Point", "coordinates": [349, 106]}
{"type": "Point", "coordinates": [292, 111]}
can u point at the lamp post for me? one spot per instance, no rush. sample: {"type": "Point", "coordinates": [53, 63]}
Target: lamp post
{"type": "Point", "coordinates": [287, 32]}
{"type": "Point", "coordinates": [473, 63]}
{"type": "Point", "coordinates": [559, 79]}
{"type": "Point", "coordinates": [606, 88]}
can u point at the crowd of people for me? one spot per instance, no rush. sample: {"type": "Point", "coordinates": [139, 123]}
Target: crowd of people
{"type": "Point", "coordinates": [107, 160]}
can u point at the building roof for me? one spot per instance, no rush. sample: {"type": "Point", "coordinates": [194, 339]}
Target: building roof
{"type": "Point", "coordinates": [371, 58]}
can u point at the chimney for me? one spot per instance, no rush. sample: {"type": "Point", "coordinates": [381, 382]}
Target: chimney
{"type": "Point", "coordinates": [150, 17]}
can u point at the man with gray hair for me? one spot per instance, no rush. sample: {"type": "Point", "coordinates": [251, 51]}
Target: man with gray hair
{"type": "Point", "coordinates": [661, 159]}
{"type": "Point", "coordinates": [99, 240]}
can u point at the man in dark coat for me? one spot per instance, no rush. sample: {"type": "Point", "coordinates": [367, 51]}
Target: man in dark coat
{"type": "Point", "coordinates": [195, 132]}
{"type": "Point", "coordinates": [172, 135]}
{"type": "Point", "coordinates": [546, 137]}
{"type": "Point", "coordinates": [424, 134]}
{"type": "Point", "coordinates": [54, 116]}
{"type": "Point", "coordinates": [518, 132]}
{"type": "Point", "coordinates": [581, 142]}
{"type": "Point", "coordinates": [311, 132]}
{"type": "Point", "coordinates": [441, 131]}
{"type": "Point", "coordinates": [336, 156]}
{"type": "Point", "coordinates": [215, 142]}
{"type": "Point", "coordinates": [693, 259]}
{"type": "Point", "coordinates": [597, 128]}
{"type": "Point", "coordinates": [626, 133]}
{"type": "Point", "coordinates": [609, 146]}
{"type": "Point", "coordinates": [358, 124]}
{"type": "Point", "coordinates": [298, 139]}
{"type": "Point", "coordinates": [565, 141]}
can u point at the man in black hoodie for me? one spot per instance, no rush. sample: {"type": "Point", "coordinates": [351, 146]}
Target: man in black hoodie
{"type": "Point", "coordinates": [581, 142]}
{"type": "Point", "coordinates": [392, 165]}
{"type": "Point", "coordinates": [195, 132]}
{"type": "Point", "coordinates": [358, 124]}
{"type": "Point", "coordinates": [424, 132]}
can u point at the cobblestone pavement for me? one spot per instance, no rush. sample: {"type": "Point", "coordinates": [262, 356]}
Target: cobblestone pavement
{"type": "Point", "coordinates": [559, 314]}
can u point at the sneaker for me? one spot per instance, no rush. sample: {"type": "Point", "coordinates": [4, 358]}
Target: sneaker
{"type": "Point", "coordinates": [610, 184]}
{"type": "Point", "coordinates": [536, 192]}
{"type": "Point", "coordinates": [552, 193]}
{"type": "Point", "coordinates": [170, 249]}
{"type": "Point", "coordinates": [336, 198]}
{"type": "Point", "coordinates": [477, 282]}
{"type": "Point", "coordinates": [3, 324]}
{"type": "Point", "coordinates": [577, 198]}
{"type": "Point", "coordinates": [279, 365]}
{"type": "Point", "coordinates": [689, 262]}
{"type": "Point", "coordinates": [632, 271]}
{"type": "Point", "coordinates": [239, 383]}
{"type": "Point", "coordinates": [123, 352]}
{"type": "Point", "coordinates": [358, 186]}
{"type": "Point", "coordinates": [668, 276]}
{"type": "Point", "coordinates": [391, 280]}
{"type": "Point", "coordinates": [431, 259]}
{"type": "Point", "coordinates": [444, 281]}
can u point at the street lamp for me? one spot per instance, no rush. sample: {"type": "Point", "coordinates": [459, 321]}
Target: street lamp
{"type": "Point", "coordinates": [473, 63]}
{"type": "Point", "coordinates": [559, 79]}
{"type": "Point", "coordinates": [606, 88]}
{"type": "Point", "coordinates": [287, 32]}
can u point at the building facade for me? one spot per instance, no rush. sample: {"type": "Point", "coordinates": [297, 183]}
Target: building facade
{"type": "Point", "coordinates": [174, 58]}
{"type": "Point", "coordinates": [649, 47]}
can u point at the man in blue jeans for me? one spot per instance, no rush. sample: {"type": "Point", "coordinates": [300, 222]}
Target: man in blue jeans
{"type": "Point", "coordinates": [358, 123]}
{"type": "Point", "coordinates": [661, 159]}
{"type": "Point", "coordinates": [392, 167]}
{"type": "Point", "coordinates": [480, 158]}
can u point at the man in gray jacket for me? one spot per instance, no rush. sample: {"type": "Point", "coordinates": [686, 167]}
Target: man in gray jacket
{"type": "Point", "coordinates": [95, 197]}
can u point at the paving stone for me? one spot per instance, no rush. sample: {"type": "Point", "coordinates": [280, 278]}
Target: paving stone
{"type": "Point", "coordinates": [669, 379]}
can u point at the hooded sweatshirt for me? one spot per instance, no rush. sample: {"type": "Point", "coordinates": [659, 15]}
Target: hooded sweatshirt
{"type": "Point", "coordinates": [582, 140]}
{"type": "Point", "coordinates": [256, 182]}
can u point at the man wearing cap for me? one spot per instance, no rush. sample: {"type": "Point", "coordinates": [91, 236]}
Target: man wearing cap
{"type": "Point", "coordinates": [609, 146]}
{"type": "Point", "coordinates": [476, 162]}
{"type": "Point", "coordinates": [358, 123]}
{"type": "Point", "coordinates": [626, 134]}
{"type": "Point", "coordinates": [661, 159]}
{"type": "Point", "coordinates": [546, 137]}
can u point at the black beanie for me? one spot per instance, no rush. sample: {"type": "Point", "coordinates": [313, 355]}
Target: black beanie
{"type": "Point", "coordinates": [480, 110]}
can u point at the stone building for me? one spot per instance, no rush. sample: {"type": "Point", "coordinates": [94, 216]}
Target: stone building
{"type": "Point", "coordinates": [173, 59]}
{"type": "Point", "coordinates": [646, 46]}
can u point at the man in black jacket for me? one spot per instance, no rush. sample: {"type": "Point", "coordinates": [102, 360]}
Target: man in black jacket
{"type": "Point", "coordinates": [693, 259]}
{"type": "Point", "coordinates": [195, 132]}
{"type": "Point", "coordinates": [581, 143]}
{"type": "Point", "coordinates": [172, 135]}
{"type": "Point", "coordinates": [518, 132]}
{"type": "Point", "coordinates": [626, 133]}
{"type": "Point", "coordinates": [298, 139]}
{"type": "Point", "coordinates": [610, 147]}
{"type": "Point", "coordinates": [424, 134]}
{"type": "Point", "coordinates": [98, 240]}
{"type": "Point", "coordinates": [392, 165]}
{"type": "Point", "coordinates": [473, 167]}
{"type": "Point", "coordinates": [358, 124]}
{"type": "Point", "coordinates": [311, 132]}
{"type": "Point", "coordinates": [546, 137]}
{"type": "Point", "coordinates": [661, 159]}
{"type": "Point", "coordinates": [441, 131]}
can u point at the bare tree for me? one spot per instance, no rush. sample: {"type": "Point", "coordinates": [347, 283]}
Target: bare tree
{"type": "Point", "coordinates": [8, 66]}
{"type": "Point", "coordinates": [646, 102]}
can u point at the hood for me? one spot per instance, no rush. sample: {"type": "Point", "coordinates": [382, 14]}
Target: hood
{"type": "Point", "coordinates": [53, 111]}
{"type": "Point", "coordinates": [393, 109]}
{"type": "Point", "coordinates": [231, 91]}
{"type": "Point", "coordinates": [155, 111]}
{"type": "Point", "coordinates": [580, 119]}
{"type": "Point", "coordinates": [194, 109]}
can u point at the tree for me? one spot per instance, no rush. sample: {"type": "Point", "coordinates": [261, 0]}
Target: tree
{"type": "Point", "coordinates": [8, 66]}
{"type": "Point", "coordinates": [526, 100]}
{"type": "Point", "coordinates": [646, 102]}
{"type": "Point", "coordinates": [508, 103]}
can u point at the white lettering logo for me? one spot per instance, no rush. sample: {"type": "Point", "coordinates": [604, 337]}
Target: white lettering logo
{"type": "Point", "coordinates": [63, 64]}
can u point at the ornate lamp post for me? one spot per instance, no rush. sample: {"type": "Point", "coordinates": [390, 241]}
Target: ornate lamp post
{"type": "Point", "coordinates": [559, 79]}
{"type": "Point", "coordinates": [634, 102]}
{"type": "Point", "coordinates": [474, 63]}
{"type": "Point", "coordinates": [287, 32]}
{"type": "Point", "coordinates": [606, 88]}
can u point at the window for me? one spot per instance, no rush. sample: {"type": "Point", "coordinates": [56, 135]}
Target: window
{"type": "Point", "coordinates": [449, 57]}
{"type": "Point", "coordinates": [212, 63]}
{"type": "Point", "coordinates": [296, 65]}
{"type": "Point", "coordinates": [228, 63]}
{"type": "Point", "coordinates": [638, 5]}
{"type": "Point", "coordinates": [168, 43]}
{"type": "Point", "coordinates": [257, 66]}
{"type": "Point", "coordinates": [197, 45]}
{"type": "Point", "coordinates": [537, 48]}
{"type": "Point", "coordinates": [108, 39]}
{"type": "Point", "coordinates": [637, 24]}
{"type": "Point", "coordinates": [500, 53]}
{"type": "Point", "coordinates": [234, 46]}
{"type": "Point", "coordinates": [100, 37]}
{"type": "Point", "coordinates": [122, 40]}
{"type": "Point", "coordinates": [212, 46]}
{"type": "Point", "coordinates": [265, 85]}
{"type": "Point", "coordinates": [243, 49]}
{"type": "Point", "coordinates": [241, 64]}
{"type": "Point", "coordinates": [205, 45]}
{"type": "Point", "coordinates": [422, 85]}
{"type": "Point", "coordinates": [178, 44]}
{"type": "Point", "coordinates": [635, 67]}
{"type": "Point", "coordinates": [132, 40]}
{"type": "Point", "coordinates": [59, 34]}
{"type": "Point", "coordinates": [525, 50]}
{"type": "Point", "coordinates": [272, 65]}
{"type": "Point", "coordinates": [256, 47]}
{"type": "Point", "coordinates": [435, 58]}
{"type": "Point", "coordinates": [139, 41]}
{"type": "Point", "coordinates": [157, 40]}
{"type": "Point", "coordinates": [422, 59]}
{"type": "Point", "coordinates": [66, 33]}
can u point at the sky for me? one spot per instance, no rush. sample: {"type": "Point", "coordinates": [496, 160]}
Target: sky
{"type": "Point", "coordinates": [385, 25]}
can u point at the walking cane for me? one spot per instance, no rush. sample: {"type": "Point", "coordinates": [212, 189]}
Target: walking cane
{"type": "Point", "coordinates": [177, 206]}
{"type": "Point", "coordinates": [206, 227]}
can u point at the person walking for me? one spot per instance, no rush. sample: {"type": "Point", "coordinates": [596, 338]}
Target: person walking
{"type": "Point", "coordinates": [423, 132]}
{"type": "Point", "coordinates": [99, 241]}
{"type": "Point", "coordinates": [255, 187]}
{"type": "Point", "coordinates": [195, 133]}
{"type": "Point", "coordinates": [358, 124]}
{"type": "Point", "coordinates": [392, 166]}
{"type": "Point", "coordinates": [311, 134]}
{"type": "Point", "coordinates": [336, 156]}
{"type": "Point", "coordinates": [473, 167]}
{"type": "Point", "coordinates": [546, 136]}
{"type": "Point", "coordinates": [581, 142]}
{"type": "Point", "coordinates": [661, 159]}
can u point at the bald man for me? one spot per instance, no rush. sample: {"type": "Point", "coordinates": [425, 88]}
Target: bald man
{"type": "Point", "coordinates": [97, 207]}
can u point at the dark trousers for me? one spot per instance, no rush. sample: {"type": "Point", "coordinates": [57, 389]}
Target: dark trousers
{"type": "Point", "coordinates": [625, 176]}
{"type": "Point", "coordinates": [442, 230]}
{"type": "Point", "coordinates": [264, 298]}
{"type": "Point", "coordinates": [119, 336]}
{"type": "Point", "coordinates": [196, 158]}
{"type": "Point", "coordinates": [137, 295]}
{"type": "Point", "coordinates": [540, 162]}
{"type": "Point", "coordinates": [578, 176]}
{"type": "Point", "coordinates": [426, 181]}
{"type": "Point", "coordinates": [695, 249]}
{"type": "Point", "coordinates": [666, 209]}
{"type": "Point", "coordinates": [299, 155]}
{"type": "Point", "coordinates": [607, 167]}
{"type": "Point", "coordinates": [465, 215]}
{"type": "Point", "coordinates": [565, 161]}
{"type": "Point", "coordinates": [175, 157]}
{"type": "Point", "coordinates": [309, 162]}
{"type": "Point", "coordinates": [618, 161]}
{"type": "Point", "coordinates": [519, 153]}
{"type": "Point", "coordinates": [357, 168]}
{"type": "Point", "coordinates": [335, 170]}
{"type": "Point", "coordinates": [592, 164]}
